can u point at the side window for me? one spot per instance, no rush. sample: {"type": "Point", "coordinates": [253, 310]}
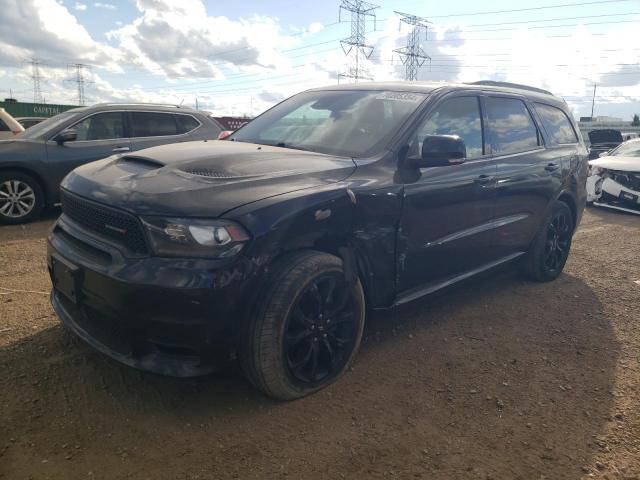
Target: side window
{"type": "Point", "coordinates": [511, 128]}
{"type": "Point", "coordinates": [557, 124]}
{"type": "Point", "coordinates": [152, 124]}
{"type": "Point", "coordinates": [186, 123]}
{"type": "Point", "coordinates": [3, 126]}
{"type": "Point", "coordinates": [102, 126]}
{"type": "Point", "coordinates": [457, 116]}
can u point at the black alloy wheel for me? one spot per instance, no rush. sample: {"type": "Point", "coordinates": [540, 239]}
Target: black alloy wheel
{"type": "Point", "coordinates": [306, 327]}
{"type": "Point", "coordinates": [321, 330]}
{"type": "Point", "coordinates": [556, 249]}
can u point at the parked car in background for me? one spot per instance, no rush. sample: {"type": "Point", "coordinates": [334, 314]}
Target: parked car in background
{"type": "Point", "coordinates": [271, 244]}
{"type": "Point", "coordinates": [614, 178]}
{"type": "Point", "coordinates": [9, 126]}
{"type": "Point", "coordinates": [33, 164]}
{"type": "Point", "coordinates": [27, 122]}
{"type": "Point", "coordinates": [602, 141]}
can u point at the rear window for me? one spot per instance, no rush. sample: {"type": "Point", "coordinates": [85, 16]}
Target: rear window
{"type": "Point", "coordinates": [153, 124]}
{"type": "Point", "coordinates": [511, 127]}
{"type": "Point", "coordinates": [186, 123]}
{"type": "Point", "coordinates": [556, 123]}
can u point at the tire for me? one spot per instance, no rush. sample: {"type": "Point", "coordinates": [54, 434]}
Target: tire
{"type": "Point", "coordinates": [21, 197]}
{"type": "Point", "coordinates": [550, 249]}
{"type": "Point", "coordinates": [285, 330]}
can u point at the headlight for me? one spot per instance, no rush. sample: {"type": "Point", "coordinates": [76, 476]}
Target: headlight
{"type": "Point", "coordinates": [187, 237]}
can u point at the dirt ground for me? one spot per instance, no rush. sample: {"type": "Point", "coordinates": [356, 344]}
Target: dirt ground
{"type": "Point", "coordinates": [497, 378]}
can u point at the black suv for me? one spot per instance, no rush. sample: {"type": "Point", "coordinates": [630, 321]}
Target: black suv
{"type": "Point", "coordinates": [270, 245]}
{"type": "Point", "coordinates": [33, 164]}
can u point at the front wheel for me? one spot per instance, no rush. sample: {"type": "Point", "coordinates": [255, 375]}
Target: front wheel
{"type": "Point", "coordinates": [307, 329]}
{"type": "Point", "coordinates": [549, 252]}
{"type": "Point", "coordinates": [21, 197]}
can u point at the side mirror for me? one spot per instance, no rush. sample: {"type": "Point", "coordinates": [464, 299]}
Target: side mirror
{"type": "Point", "coordinates": [68, 135]}
{"type": "Point", "coordinates": [440, 151]}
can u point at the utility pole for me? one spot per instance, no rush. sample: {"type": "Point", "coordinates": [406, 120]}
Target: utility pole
{"type": "Point", "coordinates": [412, 55]}
{"type": "Point", "coordinates": [593, 100]}
{"type": "Point", "coordinates": [355, 46]}
{"type": "Point", "coordinates": [79, 80]}
{"type": "Point", "coordinates": [35, 77]}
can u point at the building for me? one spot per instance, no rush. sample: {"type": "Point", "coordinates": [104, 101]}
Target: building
{"type": "Point", "coordinates": [26, 109]}
{"type": "Point", "coordinates": [586, 124]}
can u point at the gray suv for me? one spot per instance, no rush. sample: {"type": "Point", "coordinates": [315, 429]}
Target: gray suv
{"type": "Point", "coordinates": [33, 165]}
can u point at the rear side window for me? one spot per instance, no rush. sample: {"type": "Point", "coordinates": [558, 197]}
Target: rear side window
{"type": "Point", "coordinates": [102, 126]}
{"type": "Point", "coordinates": [3, 126]}
{"type": "Point", "coordinates": [511, 127]}
{"type": "Point", "coordinates": [153, 124]}
{"type": "Point", "coordinates": [457, 116]}
{"type": "Point", "coordinates": [186, 123]}
{"type": "Point", "coordinates": [556, 123]}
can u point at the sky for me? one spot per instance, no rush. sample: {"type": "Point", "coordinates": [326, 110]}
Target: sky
{"type": "Point", "coordinates": [240, 58]}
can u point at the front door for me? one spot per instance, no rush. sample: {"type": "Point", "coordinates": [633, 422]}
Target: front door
{"type": "Point", "coordinates": [99, 136]}
{"type": "Point", "coordinates": [448, 211]}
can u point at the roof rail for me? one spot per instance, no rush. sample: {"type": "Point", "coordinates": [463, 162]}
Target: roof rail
{"type": "Point", "coordinates": [141, 104]}
{"type": "Point", "coordinates": [492, 83]}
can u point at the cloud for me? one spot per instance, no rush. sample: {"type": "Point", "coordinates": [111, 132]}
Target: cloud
{"type": "Point", "coordinates": [106, 6]}
{"type": "Point", "coordinates": [179, 38]}
{"type": "Point", "coordinates": [81, 7]}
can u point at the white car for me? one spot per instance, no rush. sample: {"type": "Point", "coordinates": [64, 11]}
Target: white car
{"type": "Point", "coordinates": [614, 178]}
{"type": "Point", "coordinates": [9, 126]}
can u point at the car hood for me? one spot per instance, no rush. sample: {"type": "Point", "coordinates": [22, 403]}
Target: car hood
{"type": "Point", "coordinates": [203, 179]}
{"type": "Point", "coordinates": [624, 164]}
{"type": "Point", "coordinates": [605, 136]}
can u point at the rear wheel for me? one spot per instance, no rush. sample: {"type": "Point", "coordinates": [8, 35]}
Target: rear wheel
{"type": "Point", "coordinates": [548, 254]}
{"type": "Point", "coordinates": [21, 197]}
{"type": "Point", "coordinates": [308, 328]}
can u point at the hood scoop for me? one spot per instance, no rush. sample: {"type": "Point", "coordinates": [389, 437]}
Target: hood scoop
{"type": "Point", "coordinates": [210, 172]}
{"type": "Point", "coordinates": [141, 161]}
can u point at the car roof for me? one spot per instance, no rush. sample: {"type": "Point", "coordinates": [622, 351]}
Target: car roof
{"type": "Point", "coordinates": [428, 87]}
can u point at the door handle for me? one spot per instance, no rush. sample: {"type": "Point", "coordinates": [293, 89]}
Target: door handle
{"type": "Point", "coordinates": [120, 149]}
{"type": "Point", "coordinates": [552, 167]}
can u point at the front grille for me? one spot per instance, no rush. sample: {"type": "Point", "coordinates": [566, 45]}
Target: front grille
{"type": "Point", "coordinates": [122, 227]}
{"type": "Point", "coordinates": [629, 180]}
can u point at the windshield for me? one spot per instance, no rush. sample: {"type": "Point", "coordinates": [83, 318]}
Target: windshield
{"type": "Point", "coordinates": [631, 149]}
{"type": "Point", "coordinates": [47, 125]}
{"type": "Point", "coordinates": [354, 123]}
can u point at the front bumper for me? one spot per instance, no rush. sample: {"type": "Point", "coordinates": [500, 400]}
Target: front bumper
{"type": "Point", "coordinates": [610, 194]}
{"type": "Point", "coordinates": [176, 317]}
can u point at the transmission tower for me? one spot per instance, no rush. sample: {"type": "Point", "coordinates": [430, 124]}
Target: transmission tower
{"type": "Point", "coordinates": [35, 77]}
{"type": "Point", "coordinates": [412, 55]}
{"type": "Point", "coordinates": [79, 80]}
{"type": "Point", "coordinates": [355, 46]}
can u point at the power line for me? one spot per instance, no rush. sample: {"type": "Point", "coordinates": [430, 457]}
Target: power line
{"type": "Point", "coordinates": [356, 45]}
{"type": "Point", "coordinates": [412, 55]}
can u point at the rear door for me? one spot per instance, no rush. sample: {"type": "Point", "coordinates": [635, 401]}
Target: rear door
{"type": "Point", "coordinates": [99, 136]}
{"type": "Point", "coordinates": [149, 129]}
{"type": "Point", "coordinates": [528, 175]}
{"type": "Point", "coordinates": [448, 211]}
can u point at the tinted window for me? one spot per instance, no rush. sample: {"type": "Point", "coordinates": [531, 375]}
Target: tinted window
{"type": "Point", "coordinates": [152, 124]}
{"type": "Point", "coordinates": [556, 123]}
{"type": "Point", "coordinates": [458, 116]}
{"type": "Point", "coordinates": [355, 123]}
{"type": "Point", "coordinates": [511, 126]}
{"type": "Point", "coordinates": [186, 123]}
{"type": "Point", "coordinates": [102, 126]}
{"type": "Point", "coordinates": [29, 123]}
{"type": "Point", "coordinates": [3, 126]}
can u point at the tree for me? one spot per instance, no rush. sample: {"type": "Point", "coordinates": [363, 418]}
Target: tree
{"type": "Point", "coordinates": [636, 121]}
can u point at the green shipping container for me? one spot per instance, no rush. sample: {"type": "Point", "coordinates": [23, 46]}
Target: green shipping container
{"type": "Point", "coordinates": [23, 109]}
